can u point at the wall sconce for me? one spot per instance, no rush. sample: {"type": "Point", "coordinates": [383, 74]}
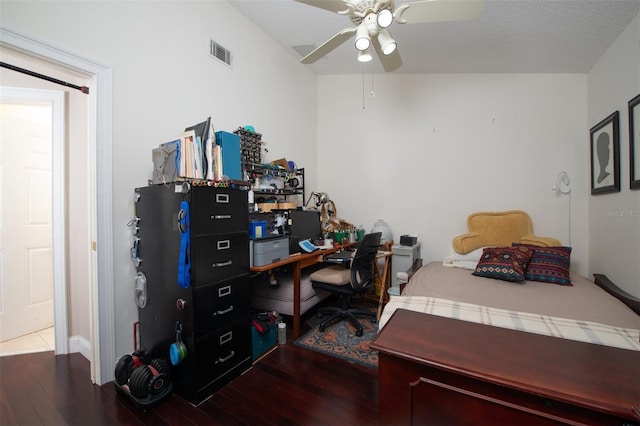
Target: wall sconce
{"type": "Point", "coordinates": [563, 183]}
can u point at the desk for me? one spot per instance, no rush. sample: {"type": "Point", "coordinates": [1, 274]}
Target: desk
{"type": "Point", "coordinates": [304, 260]}
{"type": "Point", "coordinates": [299, 262]}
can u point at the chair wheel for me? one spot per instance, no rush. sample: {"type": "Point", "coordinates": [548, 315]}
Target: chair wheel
{"type": "Point", "coordinates": [359, 333]}
{"type": "Point", "coordinates": [322, 328]}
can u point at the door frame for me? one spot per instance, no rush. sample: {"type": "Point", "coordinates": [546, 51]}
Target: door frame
{"type": "Point", "coordinates": [56, 98]}
{"type": "Point", "coordinates": [102, 315]}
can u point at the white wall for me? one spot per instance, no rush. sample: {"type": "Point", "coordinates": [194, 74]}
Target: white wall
{"type": "Point", "coordinates": [163, 81]}
{"type": "Point", "coordinates": [614, 218]}
{"type": "Point", "coordinates": [428, 150]}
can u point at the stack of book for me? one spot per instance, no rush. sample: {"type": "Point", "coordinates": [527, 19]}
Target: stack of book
{"type": "Point", "coordinates": [198, 153]}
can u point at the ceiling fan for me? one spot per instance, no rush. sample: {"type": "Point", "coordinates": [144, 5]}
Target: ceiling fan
{"type": "Point", "coordinates": [372, 18]}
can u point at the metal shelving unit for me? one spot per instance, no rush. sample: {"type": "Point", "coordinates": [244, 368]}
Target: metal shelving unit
{"type": "Point", "coordinates": [292, 181]}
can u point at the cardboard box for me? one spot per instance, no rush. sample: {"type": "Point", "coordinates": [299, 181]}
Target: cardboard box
{"type": "Point", "coordinates": [283, 163]}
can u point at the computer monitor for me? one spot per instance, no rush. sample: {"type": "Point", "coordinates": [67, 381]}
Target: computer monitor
{"type": "Point", "coordinates": [305, 224]}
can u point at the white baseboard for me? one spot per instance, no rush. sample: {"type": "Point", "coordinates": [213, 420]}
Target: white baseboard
{"type": "Point", "coordinates": [80, 344]}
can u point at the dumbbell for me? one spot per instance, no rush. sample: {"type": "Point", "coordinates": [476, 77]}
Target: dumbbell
{"type": "Point", "coordinates": [129, 363]}
{"type": "Point", "coordinates": [149, 379]}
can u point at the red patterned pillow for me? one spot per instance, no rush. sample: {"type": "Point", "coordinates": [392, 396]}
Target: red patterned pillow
{"type": "Point", "coordinates": [548, 264]}
{"type": "Point", "coordinates": [504, 263]}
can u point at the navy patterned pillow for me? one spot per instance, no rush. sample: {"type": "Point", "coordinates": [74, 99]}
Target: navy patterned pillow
{"type": "Point", "coordinates": [549, 264]}
{"type": "Point", "coordinates": [504, 263]}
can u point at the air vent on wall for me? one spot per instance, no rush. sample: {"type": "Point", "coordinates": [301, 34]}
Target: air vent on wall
{"type": "Point", "coordinates": [219, 52]}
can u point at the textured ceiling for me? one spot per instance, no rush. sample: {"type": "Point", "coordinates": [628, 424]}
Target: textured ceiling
{"type": "Point", "coordinates": [510, 36]}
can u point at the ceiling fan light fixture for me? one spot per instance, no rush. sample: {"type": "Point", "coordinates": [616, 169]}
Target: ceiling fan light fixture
{"type": "Point", "coordinates": [387, 43]}
{"type": "Point", "coordinates": [384, 18]}
{"type": "Point", "coordinates": [362, 38]}
{"type": "Point", "coordinates": [365, 56]}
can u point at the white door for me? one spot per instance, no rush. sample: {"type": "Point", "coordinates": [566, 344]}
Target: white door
{"type": "Point", "coordinates": [26, 253]}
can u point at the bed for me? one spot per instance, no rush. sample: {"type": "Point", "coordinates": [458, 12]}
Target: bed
{"type": "Point", "coordinates": [439, 339]}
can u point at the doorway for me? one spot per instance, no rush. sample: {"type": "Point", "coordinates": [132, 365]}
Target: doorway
{"type": "Point", "coordinates": [32, 172]}
{"type": "Point", "coordinates": [100, 348]}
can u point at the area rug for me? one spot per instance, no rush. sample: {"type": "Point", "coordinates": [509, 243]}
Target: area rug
{"type": "Point", "coordinates": [339, 339]}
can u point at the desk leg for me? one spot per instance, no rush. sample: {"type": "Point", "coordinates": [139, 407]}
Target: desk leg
{"type": "Point", "coordinates": [297, 274]}
{"type": "Point", "coordinates": [385, 281]}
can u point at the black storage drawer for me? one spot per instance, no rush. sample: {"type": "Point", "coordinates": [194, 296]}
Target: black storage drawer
{"type": "Point", "coordinates": [219, 304]}
{"type": "Point", "coordinates": [222, 352]}
{"type": "Point", "coordinates": [214, 312]}
{"type": "Point", "coordinates": [218, 210]}
{"type": "Point", "coordinates": [219, 257]}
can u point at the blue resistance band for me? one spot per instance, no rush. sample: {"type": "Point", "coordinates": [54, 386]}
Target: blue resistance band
{"type": "Point", "coordinates": [184, 263]}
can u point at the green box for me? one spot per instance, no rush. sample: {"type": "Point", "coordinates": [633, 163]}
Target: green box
{"type": "Point", "coordinates": [261, 343]}
{"type": "Point", "coordinates": [340, 236]}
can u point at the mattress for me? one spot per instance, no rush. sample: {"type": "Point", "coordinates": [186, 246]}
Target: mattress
{"type": "Point", "coordinates": [564, 328]}
{"type": "Point", "coordinates": [583, 301]}
{"type": "Point", "coordinates": [280, 299]}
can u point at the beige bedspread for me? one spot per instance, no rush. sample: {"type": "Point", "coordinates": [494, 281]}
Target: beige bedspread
{"type": "Point", "coordinates": [564, 328]}
{"type": "Point", "coordinates": [583, 301]}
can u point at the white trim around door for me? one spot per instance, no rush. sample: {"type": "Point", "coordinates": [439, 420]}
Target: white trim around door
{"type": "Point", "coordinates": [100, 139]}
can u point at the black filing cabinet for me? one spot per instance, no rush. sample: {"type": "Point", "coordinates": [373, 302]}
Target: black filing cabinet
{"type": "Point", "coordinates": [213, 311]}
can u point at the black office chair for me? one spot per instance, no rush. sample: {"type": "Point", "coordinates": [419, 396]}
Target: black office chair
{"type": "Point", "coordinates": [348, 282]}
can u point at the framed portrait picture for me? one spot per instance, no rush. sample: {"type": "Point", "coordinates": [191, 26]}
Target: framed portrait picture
{"type": "Point", "coordinates": [634, 142]}
{"type": "Point", "coordinates": [605, 156]}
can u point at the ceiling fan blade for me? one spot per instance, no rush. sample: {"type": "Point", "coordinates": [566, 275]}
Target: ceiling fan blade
{"type": "Point", "coordinates": [330, 5]}
{"type": "Point", "coordinates": [329, 45]}
{"type": "Point", "coordinates": [438, 11]}
{"type": "Point", "coordinates": [389, 62]}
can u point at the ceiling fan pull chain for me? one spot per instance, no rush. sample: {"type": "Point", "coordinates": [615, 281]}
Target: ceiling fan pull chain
{"type": "Point", "coordinates": [363, 86]}
{"type": "Point", "coordinates": [372, 93]}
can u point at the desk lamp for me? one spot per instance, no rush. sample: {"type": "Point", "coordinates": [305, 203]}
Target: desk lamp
{"type": "Point", "coordinates": [321, 198]}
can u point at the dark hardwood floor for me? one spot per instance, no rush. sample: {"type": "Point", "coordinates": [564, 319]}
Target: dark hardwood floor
{"type": "Point", "coordinates": [290, 386]}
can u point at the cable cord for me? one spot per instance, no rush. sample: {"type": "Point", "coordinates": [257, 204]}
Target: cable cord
{"type": "Point", "coordinates": [563, 186]}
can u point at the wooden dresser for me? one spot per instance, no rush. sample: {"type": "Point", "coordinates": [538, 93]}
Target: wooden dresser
{"type": "Point", "coordinates": [441, 371]}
